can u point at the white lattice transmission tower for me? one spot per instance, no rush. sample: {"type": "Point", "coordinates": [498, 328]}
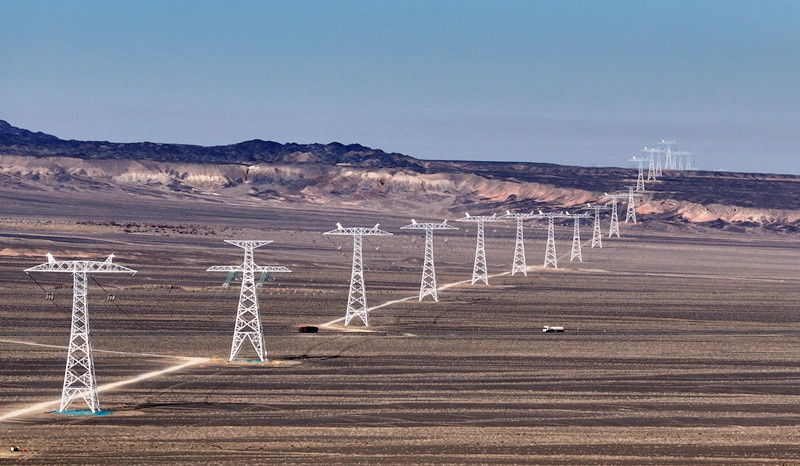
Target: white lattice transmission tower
{"type": "Point", "coordinates": [79, 378]}
{"type": "Point", "coordinates": [669, 159]}
{"type": "Point", "coordinates": [653, 169]}
{"type": "Point", "coordinates": [632, 195]}
{"type": "Point", "coordinates": [684, 161]}
{"type": "Point", "coordinates": [640, 176]}
{"type": "Point", "coordinates": [659, 171]}
{"type": "Point", "coordinates": [576, 236]}
{"type": "Point", "coordinates": [248, 318]}
{"type": "Point", "coordinates": [550, 257]}
{"type": "Point", "coordinates": [357, 297]}
{"type": "Point", "coordinates": [479, 268]}
{"type": "Point", "coordinates": [428, 285]}
{"type": "Point", "coordinates": [519, 264]}
{"type": "Point", "coordinates": [614, 226]}
{"type": "Point", "coordinates": [597, 236]}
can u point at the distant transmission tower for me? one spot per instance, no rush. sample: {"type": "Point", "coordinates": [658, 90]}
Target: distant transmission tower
{"type": "Point", "coordinates": [653, 171]}
{"type": "Point", "coordinates": [659, 172]}
{"type": "Point", "coordinates": [597, 236]}
{"type": "Point", "coordinates": [614, 227]}
{"type": "Point", "coordinates": [550, 257]}
{"type": "Point", "coordinates": [479, 269]}
{"type": "Point", "coordinates": [519, 264]}
{"type": "Point", "coordinates": [248, 318]}
{"type": "Point", "coordinates": [428, 285]}
{"type": "Point", "coordinates": [631, 214]}
{"type": "Point", "coordinates": [683, 159]}
{"type": "Point", "coordinates": [576, 236]}
{"type": "Point", "coordinates": [357, 298]}
{"type": "Point", "coordinates": [689, 164]}
{"type": "Point", "coordinates": [640, 176]}
{"type": "Point", "coordinates": [79, 379]}
{"type": "Point", "coordinates": [669, 160]}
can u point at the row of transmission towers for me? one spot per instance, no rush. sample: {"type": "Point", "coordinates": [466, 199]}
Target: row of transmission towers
{"type": "Point", "coordinates": [357, 299]}
{"type": "Point", "coordinates": [480, 272]}
{"type": "Point", "coordinates": [79, 377]}
{"type": "Point", "coordinates": [673, 160]}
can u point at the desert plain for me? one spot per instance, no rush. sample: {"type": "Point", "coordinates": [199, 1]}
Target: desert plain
{"type": "Point", "coordinates": [680, 343]}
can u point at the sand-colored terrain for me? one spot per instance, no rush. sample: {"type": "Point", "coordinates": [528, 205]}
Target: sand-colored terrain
{"type": "Point", "coordinates": [681, 345]}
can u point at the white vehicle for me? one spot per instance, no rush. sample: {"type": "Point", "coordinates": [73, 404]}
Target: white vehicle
{"type": "Point", "coordinates": [549, 329]}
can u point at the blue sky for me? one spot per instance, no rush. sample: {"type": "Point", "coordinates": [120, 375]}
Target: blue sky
{"type": "Point", "coordinates": [573, 82]}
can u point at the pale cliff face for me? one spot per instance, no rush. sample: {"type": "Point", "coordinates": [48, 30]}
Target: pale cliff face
{"type": "Point", "coordinates": [436, 193]}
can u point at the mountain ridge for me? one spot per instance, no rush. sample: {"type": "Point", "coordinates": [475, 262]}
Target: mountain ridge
{"type": "Point", "coordinates": [359, 176]}
{"type": "Point", "coordinates": [18, 141]}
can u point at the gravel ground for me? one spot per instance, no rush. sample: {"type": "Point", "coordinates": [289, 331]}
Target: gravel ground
{"type": "Point", "coordinates": [680, 348]}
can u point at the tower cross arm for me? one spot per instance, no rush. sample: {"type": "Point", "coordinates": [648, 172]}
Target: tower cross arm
{"type": "Point", "coordinates": [271, 268]}
{"type": "Point", "coordinates": [481, 218]}
{"type": "Point", "coordinates": [240, 268]}
{"type": "Point", "coordinates": [248, 243]}
{"type": "Point", "coordinates": [428, 226]}
{"type": "Point", "coordinates": [374, 231]}
{"type": "Point", "coordinates": [651, 150]}
{"type": "Point", "coordinates": [551, 215]}
{"type": "Point", "coordinates": [518, 215]}
{"type": "Point", "coordinates": [81, 266]}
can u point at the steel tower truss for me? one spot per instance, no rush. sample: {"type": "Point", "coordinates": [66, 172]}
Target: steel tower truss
{"type": "Point", "coordinates": [248, 318]}
{"type": "Point", "coordinates": [550, 257]}
{"type": "Point", "coordinates": [479, 269]}
{"type": "Point", "coordinates": [357, 298]}
{"type": "Point", "coordinates": [640, 176]}
{"type": "Point", "coordinates": [428, 285]}
{"type": "Point", "coordinates": [669, 160]}
{"type": "Point", "coordinates": [576, 237]}
{"type": "Point", "coordinates": [653, 171]}
{"type": "Point", "coordinates": [79, 378]}
{"type": "Point", "coordinates": [631, 213]}
{"type": "Point", "coordinates": [614, 227]}
{"type": "Point", "coordinates": [597, 236]}
{"type": "Point", "coordinates": [683, 159]}
{"type": "Point", "coordinates": [519, 264]}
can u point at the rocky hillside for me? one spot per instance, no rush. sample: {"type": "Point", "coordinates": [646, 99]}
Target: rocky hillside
{"type": "Point", "coordinates": [354, 175]}
{"type": "Point", "coordinates": [17, 141]}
